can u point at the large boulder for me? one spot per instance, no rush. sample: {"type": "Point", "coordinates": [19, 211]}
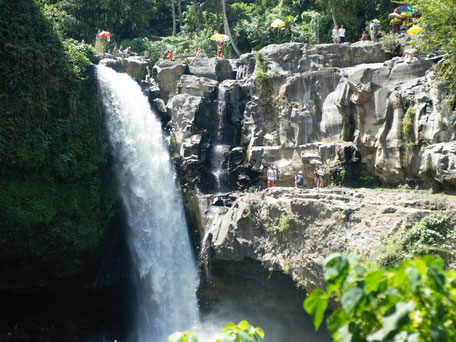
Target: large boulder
{"type": "Point", "coordinates": [183, 109]}
{"type": "Point", "coordinates": [197, 86]}
{"type": "Point", "coordinates": [218, 69]}
{"type": "Point", "coordinates": [136, 67]}
{"type": "Point", "coordinates": [439, 164]}
{"type": "Point", "coordinates": [167, 74]}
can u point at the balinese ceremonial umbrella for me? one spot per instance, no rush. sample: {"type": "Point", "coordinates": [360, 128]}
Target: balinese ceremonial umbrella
{"type": "Point", "coordinates": [218, 36]}
{"type": "Point", "coordinates": [278, 23]}
{"type": "Point", "coordinates": [104, 34]}
{"type": "Point", "coordinates": [407, 11]}
{"type": "Point", "coordinates": [414, 30]}
{"type": "Point", "coordinates": [394, 15]}
{"type": "Point", "coordinates": [395, 21]}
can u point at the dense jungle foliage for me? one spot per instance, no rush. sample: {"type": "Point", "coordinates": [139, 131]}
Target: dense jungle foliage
{"type": "Point", "coordinates": [181, 26]}
{"type": "Point", "coordinates": [56, 194]}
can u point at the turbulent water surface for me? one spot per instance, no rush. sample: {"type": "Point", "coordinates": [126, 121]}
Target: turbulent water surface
{"type": "Point", "coordinates": [158, 235]}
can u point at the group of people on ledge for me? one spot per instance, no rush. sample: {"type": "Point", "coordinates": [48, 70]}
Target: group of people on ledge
{"type": "Point", "coordinates": [319, 175]}
{"type": "Point", "coordinates": [338, 34]}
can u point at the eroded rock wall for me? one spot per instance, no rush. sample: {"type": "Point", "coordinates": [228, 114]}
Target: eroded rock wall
{"type": "Point", "coordinates": [294, 230]}
{"type": "Point", "coordinates": [302, 97]}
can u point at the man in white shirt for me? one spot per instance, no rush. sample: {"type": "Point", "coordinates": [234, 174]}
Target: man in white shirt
{"type": "Point", "coordinates": [341, 34]}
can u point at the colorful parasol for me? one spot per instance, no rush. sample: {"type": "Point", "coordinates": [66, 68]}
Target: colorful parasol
{"type": "Point", "coordinates": [104, 34]}
{"type": "Point", "coordinates": [408, 11]}
{"type": "Point", "coordinates": [278, 23]}
{"type": "Point", "coordinates": [394, 15]}
{"type": "Point", "coordinates": [220, 37]}
{"type": "Point", "coordinates": [414, 30]}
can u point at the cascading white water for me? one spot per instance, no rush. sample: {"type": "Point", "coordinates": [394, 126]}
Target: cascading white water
{"type": "Point", "coordinates": [219, 151]}
{"type": "Point", "coordinates": [158, 235]}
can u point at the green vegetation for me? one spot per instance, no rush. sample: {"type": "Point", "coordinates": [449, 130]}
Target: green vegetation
{"type": "Point", "coordinates": [57, 195]}
{"type": "Point", "coordinates": [407, 125]}
{"type": "Point", "coordinates": [434, 233]}
{"type": "Point", "coordinates": [392, 43]}
{"type": "Point", "coordinates": [413, 301]}
{"type": "Point", "coordinates": [439, 31]}
{"type": "Point", "coordinates": [261, 70]}
{"type": "Point", "coordinates": [242, 332]}
{"type": "Point", "coordinates": [286, 223]}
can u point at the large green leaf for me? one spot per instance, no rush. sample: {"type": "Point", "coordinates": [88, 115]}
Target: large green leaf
{"type": "Point", "coordinates": [436, 279]}
{"type": "Point", "coordinates": [260, 332]}
{"type": "Point", "coordinates": [349, 332]}
{"type": "Point", "coordinates": [315, 305]}
{"type": "Point", "coordinates": [414, 277]}
{"type": "Point", "coordinates": [351, 298]}
{"type": "Point", "coordinates": [393, 322]}
{"type": "Point", "coordinates": [372, 280]}
{"type": "Point", "coordinates": [243, 325]}
{"type": "Point", "coordinates": [336, 269]}
{"type": "Point", "coordinates": [244, 337]}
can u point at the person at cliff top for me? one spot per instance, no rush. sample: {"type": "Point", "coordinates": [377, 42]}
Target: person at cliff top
{"type": "Point", "coordinates": [373, 31]}
{"type": "Point", "coordinates": [341, 33]}
{"type": "Point", "coordinates": [321, 174]}
{"type": "Point", "coordinates": [364, 36]}
{"type": "Point", "coordinates": [335, 34]}
{"type": "Point", "coordinates": [299, 180]}
{"type": "Point", "coordinates": [169, 56]}
{"type": "Point", "coordinates": [270, 174]}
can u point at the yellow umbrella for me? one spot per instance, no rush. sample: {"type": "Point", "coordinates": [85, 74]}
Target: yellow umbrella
{"type": "Point", "coordinates": [278, 23]}
{"type": "Point", "coordinates": [395, 21]}
{"type": "Point", "coordinates": [414, 30]}
{"type": "Point", "coordinates": [218, 36]}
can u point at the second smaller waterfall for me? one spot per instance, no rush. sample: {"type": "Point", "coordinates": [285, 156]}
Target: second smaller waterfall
{"type": "Point", "coordinates": [220, 150]}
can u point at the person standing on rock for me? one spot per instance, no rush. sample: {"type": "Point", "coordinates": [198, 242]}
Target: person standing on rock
{"type": "Point", "coordinates": [321, 176]}
{"type": "Point", "coordinates": [341, 33]}
{"type": "Point", "coordinates": [299, 180]}
{"type": "Point", "coordinates": [373, 27]}
{"type": "Point", "coordinates": [335, 34]}
{"type": "Point", "coordinates": [270, 174]}
{"type": "Point", "coordinates": [317, 177]}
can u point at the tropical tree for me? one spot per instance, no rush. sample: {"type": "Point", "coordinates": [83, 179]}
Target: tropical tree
{"type": "Point", "coordinates": [227, 28]}
{"type": "Point", "coordinates": [439, 24]}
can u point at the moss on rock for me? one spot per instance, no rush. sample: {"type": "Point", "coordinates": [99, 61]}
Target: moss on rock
{"type": "Point", "coordinates": [57, 195]}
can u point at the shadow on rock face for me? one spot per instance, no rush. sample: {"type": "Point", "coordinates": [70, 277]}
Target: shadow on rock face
{"type": "Point", "coordinates": [247, 291]}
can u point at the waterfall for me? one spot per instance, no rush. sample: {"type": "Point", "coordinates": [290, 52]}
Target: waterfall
{"type": "Point", "coordinates": [219, 150]}
{"type": "Point", "coordinates": [158, 236]}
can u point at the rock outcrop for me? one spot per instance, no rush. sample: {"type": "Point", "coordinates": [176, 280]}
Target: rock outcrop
{"type": "Point", "coordinates": [293, 230]}
{"type": "Point", "coordinates": [279, 112]}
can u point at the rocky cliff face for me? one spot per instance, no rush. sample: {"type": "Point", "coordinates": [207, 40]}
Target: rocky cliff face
{"type": "Point", "coordinates": [293, 230]}
{"type": "Point", "coordinates": [278, 107]}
